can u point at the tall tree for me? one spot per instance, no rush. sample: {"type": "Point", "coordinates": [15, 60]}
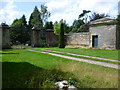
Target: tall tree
{"type": "Point", "coordinates": [19, 30]}
{"type": "Point", "coordinates": [44, 13]}
{"type": "Point", "coordinates": [61, 36]}
{"type": "Point", "coordinates": [57, 26]}
{"type": "Point", "coordinates": [84, 15]}
{"type": "Point", "coordinates": [77, 25]}
{"type": "Point", "coordinates": [48, 25]}
{"type": "Point", "coordinates": [96, 16]}
{"type": "Point", "coordinates": [35, 18]}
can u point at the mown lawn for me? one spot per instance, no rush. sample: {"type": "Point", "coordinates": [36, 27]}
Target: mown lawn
{"type": "Point", "coordinates": [26, 69]}
{"type": "Point", "coordinates": [110, 54]}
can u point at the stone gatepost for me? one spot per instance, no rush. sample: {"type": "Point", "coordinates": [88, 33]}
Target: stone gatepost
{"type": "Point", "coordinates": [51, 38]}
{"type": "Point", "coordinates": [36, 37]}
{"type": "Point", "coordinates": [5, 36]}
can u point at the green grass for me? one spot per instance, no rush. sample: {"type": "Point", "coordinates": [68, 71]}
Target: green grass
{"type": "Point", "coordinates": [109, 54]}
{"type": "Point", "coordinates": [28, 69]}
{"type": "Point", "coordinates": [81, 57]}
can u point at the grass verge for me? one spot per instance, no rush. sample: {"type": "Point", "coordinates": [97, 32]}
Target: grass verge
{"type": "Point", "coordinates": [26, 69]}
{"type": "Point", "coordinates": [109, 54]}
{"type": "Point", "coordinates": [80, 57]}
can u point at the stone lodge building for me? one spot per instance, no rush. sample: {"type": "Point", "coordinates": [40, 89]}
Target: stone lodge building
{"type": "Point", "coordinates": [102, 34]}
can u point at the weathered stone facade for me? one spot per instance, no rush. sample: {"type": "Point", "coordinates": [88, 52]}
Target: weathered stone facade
{"type": "Point", "coordinates": [51, 38]}
{"type": "Point", "coordinates": [35, 40]}
{"type": "Point", "coordinates": [5, 39]}
{"type": "Point", "coordinates": [102, 34]}
{"type": "Point", "coordinates": [106, 36]}
{"type": "Point", "coordinates": [78, 39]}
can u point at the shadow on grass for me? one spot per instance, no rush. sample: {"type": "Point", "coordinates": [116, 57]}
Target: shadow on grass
{"type": "Point", "coordinates": [9, 53]}
{"type": "Point", "coordinates": [26, 75]}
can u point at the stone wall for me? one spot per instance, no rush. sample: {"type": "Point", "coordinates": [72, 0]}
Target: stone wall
{"type": "Point", "coordinates": [106, 36]}
{"type": "Point", "coordinates": [51, 38]}
{"type": "Point", "coordinates": [4, 30]}
{"type": "Point", "coordinates": [0, 37]}
{"type": "Point", "coordinates": [78, 39]}
{"type": "Point", "coordinates": [36, 38]}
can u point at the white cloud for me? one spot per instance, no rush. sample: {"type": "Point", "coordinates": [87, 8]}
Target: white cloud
{"type": "Point", "coordinates": [70, 9]}
{"type": "Point", "coordinates": [7, 12]}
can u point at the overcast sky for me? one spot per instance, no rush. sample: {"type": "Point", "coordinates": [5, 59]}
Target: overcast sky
{"type": "Point", "coordinates": [68, 10]}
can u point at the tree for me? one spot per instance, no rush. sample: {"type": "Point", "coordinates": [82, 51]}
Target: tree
{"type": "Point", "coordinates": [96, 16]}
{"type": "Point", "coordinates": [20, 22]}
{"type": "Point", "coordinates": [57, 26]}
{"type": "Point", "coordinates": [48, 25]}
{"type": "Point", "coordinates": [61, 36]}
{"type": "Point", "coordinates": [44, 13]}
{"type": "Point", "coordinates": [19, 30]}
{"type": "Point", "coordinates": [35, 18]}
{"type": "Point", "coordinates": [84, 15]}
{"type": "Point", "coordinates": [77, 25]}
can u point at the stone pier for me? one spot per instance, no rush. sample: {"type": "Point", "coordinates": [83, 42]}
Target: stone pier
{"type": "Point", "coordinates": [36, 37]}
{"type": "Point", "coordinates": [5, 36]}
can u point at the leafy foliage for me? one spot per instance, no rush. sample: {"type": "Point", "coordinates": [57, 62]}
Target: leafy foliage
{"type": "Point", "coordinates": [84, 15]}
{"type": "Point", "coordinates": [48, 25]}
{"type": "Point", "coordinates": [19, 31]}
{"type": "Point", "coordinates": [56, 27]}
{"type": "Point", "coordinates": [96, 16]}
{"type": "Point", "coordinates": [61, 37]}
{"type": "Point", "coordinates": [58, 24]}
{"type": "Point", "coordinates": [35, 18]}
{"type": "Point", "coordinates": [20, 22]}
{"type": "Point", "coordinates": [77, 25]}
{"type": "Point", "coordinates": [84, 12]}
{"type": "Point", "coordinates": [44, 13]}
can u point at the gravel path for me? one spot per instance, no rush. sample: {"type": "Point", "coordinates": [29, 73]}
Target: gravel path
{"type": "Point", "coordinates": [83, 55]}
{"type": "Point", "coordinates": [82, 60]}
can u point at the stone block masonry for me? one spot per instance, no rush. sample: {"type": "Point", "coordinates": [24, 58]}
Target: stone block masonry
{"type": "Point", "coordinates": [106, 36]}
{"type": "Point", "coordinates": [78, 39]}
{"type": "Point", "coordinates": [102, 34]}
{"type": "Point", "coordinates": [5, 39]}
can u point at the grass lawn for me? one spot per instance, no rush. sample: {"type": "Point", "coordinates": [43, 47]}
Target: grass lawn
{"type": "Point", "coordinates": [28, 69]}
{"type": "Point", "coordinates": [110, 54]}
{"type": "Point", "coordinates": [80, 57]}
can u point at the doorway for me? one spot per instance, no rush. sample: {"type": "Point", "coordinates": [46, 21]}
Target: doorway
{"type": "Point", "coordinates": [95, 41]}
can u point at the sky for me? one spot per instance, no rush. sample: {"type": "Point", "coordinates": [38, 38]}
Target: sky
{"type": "Point", "coordinates": [68, 10]}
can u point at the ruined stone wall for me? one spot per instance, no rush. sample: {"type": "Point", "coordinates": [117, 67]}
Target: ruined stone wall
{"type": "Point", "coordinates": [78, 39]}
{"type": "Point", "coordinates": [106, 36]}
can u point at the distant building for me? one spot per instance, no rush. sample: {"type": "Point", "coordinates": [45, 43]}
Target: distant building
{"type": "Point", "coordinates": [102, 34]}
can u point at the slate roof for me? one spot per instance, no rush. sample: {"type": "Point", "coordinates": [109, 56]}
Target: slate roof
{"type": "Point", "coordinates": [103, 20]}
